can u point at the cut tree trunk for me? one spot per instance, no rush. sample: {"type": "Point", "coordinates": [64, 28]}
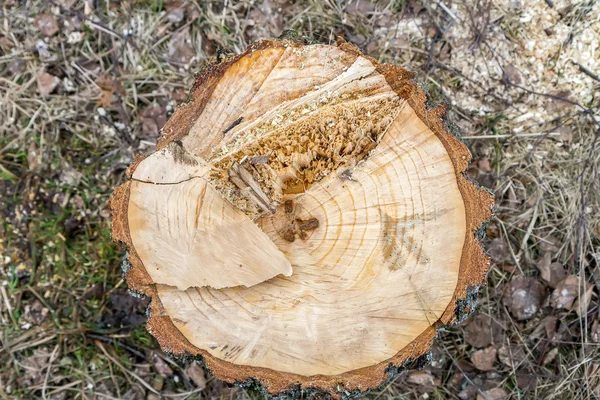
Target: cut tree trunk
{"type": "Point", "coordinates": [305, 222]}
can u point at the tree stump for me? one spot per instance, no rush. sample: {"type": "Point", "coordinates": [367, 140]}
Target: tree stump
{"type": "Point", "coordinates": [305, 222]}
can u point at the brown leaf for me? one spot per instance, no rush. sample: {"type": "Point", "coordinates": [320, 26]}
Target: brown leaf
{"type": "Point", "coordinates": [179, 95]}
{"type": "Point", "coordinates": [180, 50]}
{"type": "Point", "coordinates": [16, 66]}
{"type": "Point", "coordinates": [6, 44]}
{"type": "Point", "coordinates": [46, 24]}
{"type": "Point", "coordinates": [34, 157]}
{"type": "Point", "coordinates": [499, 251]}
{"type": "Point", "coordinates": [523, 296]}
{"type": "Point", "coordinates": [511, 355]}
{"type": "Point", "coordinates": [161, 366]}
{"type": "Point", "coordinates": [550, 356]}
{"type": "Point", "coordinates": [551, 272]}
{"type": "Point", "coordinates": [484, 359]}
{"type": "Point", "coordinates": [484, 165]}
{"type": "Point", "coordinates": [192, 11]}
{"type": "Point", "coordinates": [527, 381]}
{"type": "Point", "coordinates": [493, 394]}
{"type": "Point", "coordinates": [423, 378]}
{"type": "Point", "coordinates": [360, 7]}
{"type": "Point", "coordinates": [46, 83]}
{"type": "Point", "coordinates": [196, 375]}
{"type": "Point", "coordinates": [36, 313]}
{"type": "Point", "coordinates": [107, 90]}
{"type": "Point", "coordinates": [176, 11]}
{"type": "Point", "coordinates": [556, 104]}
{"type": "Point", "coordinates": [512, 74]}
{"type": "Point", "coordinates": [266, 19]}
{"type": "Point", "coordinates": [596, 331]}
{"type": "Point", "coordinates": [565, 293]}
{"type": "Point", "coordinates": [35, 366]}
{"type": "Point", "coordinates": [483, 331]}
{"type": "Point", "coordinates": [550, 326]}
{"type": "Point", "coordinates": [153, 119]}
{"type": "Point", "coordinates": [583, 302]}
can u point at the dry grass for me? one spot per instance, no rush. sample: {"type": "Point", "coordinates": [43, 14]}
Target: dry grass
{"type": "Point", "coordinates": [77, 105]}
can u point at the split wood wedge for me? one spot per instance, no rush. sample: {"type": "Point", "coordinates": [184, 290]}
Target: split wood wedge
{"type": "Point", "coordinates": [305, 222]}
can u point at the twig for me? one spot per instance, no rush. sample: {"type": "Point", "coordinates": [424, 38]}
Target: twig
{"type": "Point", "coordinates": [49, 368]}
{"type": "Point", "coordinates": [125, 370]}
{"type": "Point", "coordinates": [122, 112]}
{"type": "Point", "coordinates": [586, 71]}
{"type": "Point", "coordinates": [516, 135]}
{"type": "Point", "coordinates": [96, 23]}
{"type": "Point", "coordinates": [114, 341]}
{"type": "Point", "coordinates": [7, 304]}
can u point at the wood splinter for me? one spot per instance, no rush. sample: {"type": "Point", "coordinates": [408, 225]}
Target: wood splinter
{"type": "Point", "coordinates": [318, 241]}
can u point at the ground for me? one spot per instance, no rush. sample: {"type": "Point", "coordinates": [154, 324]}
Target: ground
{"type": "Point", "coordinates": [86, 85]}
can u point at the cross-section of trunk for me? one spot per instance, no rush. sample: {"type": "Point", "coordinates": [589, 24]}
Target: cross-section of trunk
{"type": "Point", "coordinates": [304, 222]}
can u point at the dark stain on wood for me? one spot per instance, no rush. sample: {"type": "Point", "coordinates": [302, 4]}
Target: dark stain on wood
{"type": "Point", "coordinates": [258, 160]}
{"type": "Point", "coordinates": [289, 207]}
{"type": "Point", "coordinates": [289, 235]}
{"type": "Point", "coordinates": [308, 225]}
{"type": "Point", "coordinates": [233, 125]}
{"type": "Point", "coordinates": [347, 174]}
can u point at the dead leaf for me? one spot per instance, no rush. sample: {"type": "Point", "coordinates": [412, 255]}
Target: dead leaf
{"type": "Point", "coordinates": [483, 331]}
{"type": "Point", "coordinates": [596, 331]}
{"type": "Point", "coordinates": [360, 7]}
{"type": "Point", "coordinates": [492, 394]}
{"type": "Point", "coordinates": [6, 44]}
{"type": "Point", "coordinates": [176, 11]}
{"type": "Point", "coordinates": [266, 20]}
{"type": "Point", "coordinates": [46, 83]}
{"type": "Point", "coordinates": [484, 165]}
{"type": "Point", "coordinates": [565, 293]}
{"type": "Point", "coordinates": [550, 356]}
{"type": "Point", "coordinates": [46, 24]}
{"type": "Point", "coordinates": [499, 251]}
{"type": "Point", "coordinates": [36, 313]}
{"type": "Point", "coordinates": [551, 272]}
{"type": "Point", "coordinates": [557, 104]}
{"type": "Point", "coordinates": [180, 50]}
{"type": "Point", "coordinates": [423, 378]}
{"type": "Point", "coordinates": [15, 66]}
{"type": "Point", "coordinates": [179, 95]}
{"type": "Point", "coordinates": [196, 375]}
{"type": "Point", "coordinates": [550, 326]}
{"type": "Point", "coordinates": [161, 366]}
{"type": "Point", "coordinates": [35, 366]}
{"type": "Point", "coordinates": [583, 302]}
{"type": "Point", "coordinates": [512, 74]}
{"type": "Point", "coordinates": [470, 390]}
{"type": "Point", "coordinates": [484, 359]}
{"type": "Point", "coordinates": [34, 157]}
{"type": "Point", "coordinates": [70, 176]}
{"type": "Point", "coordinates": [523, 296]}
{"type": "Point", "coordinates": [107, 91]}
{"type": "Point", "coordinates": [511, 355]}
{"type": "Point", "coordinates": [527, 381]}
{"type": "Point", "coordinates": [549, 244]}
{"type": "Point", "coordinates": [153, 119]}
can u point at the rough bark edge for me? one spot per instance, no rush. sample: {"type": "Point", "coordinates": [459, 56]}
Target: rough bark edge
{"type": "Point", "coordinates": [473, 268]}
